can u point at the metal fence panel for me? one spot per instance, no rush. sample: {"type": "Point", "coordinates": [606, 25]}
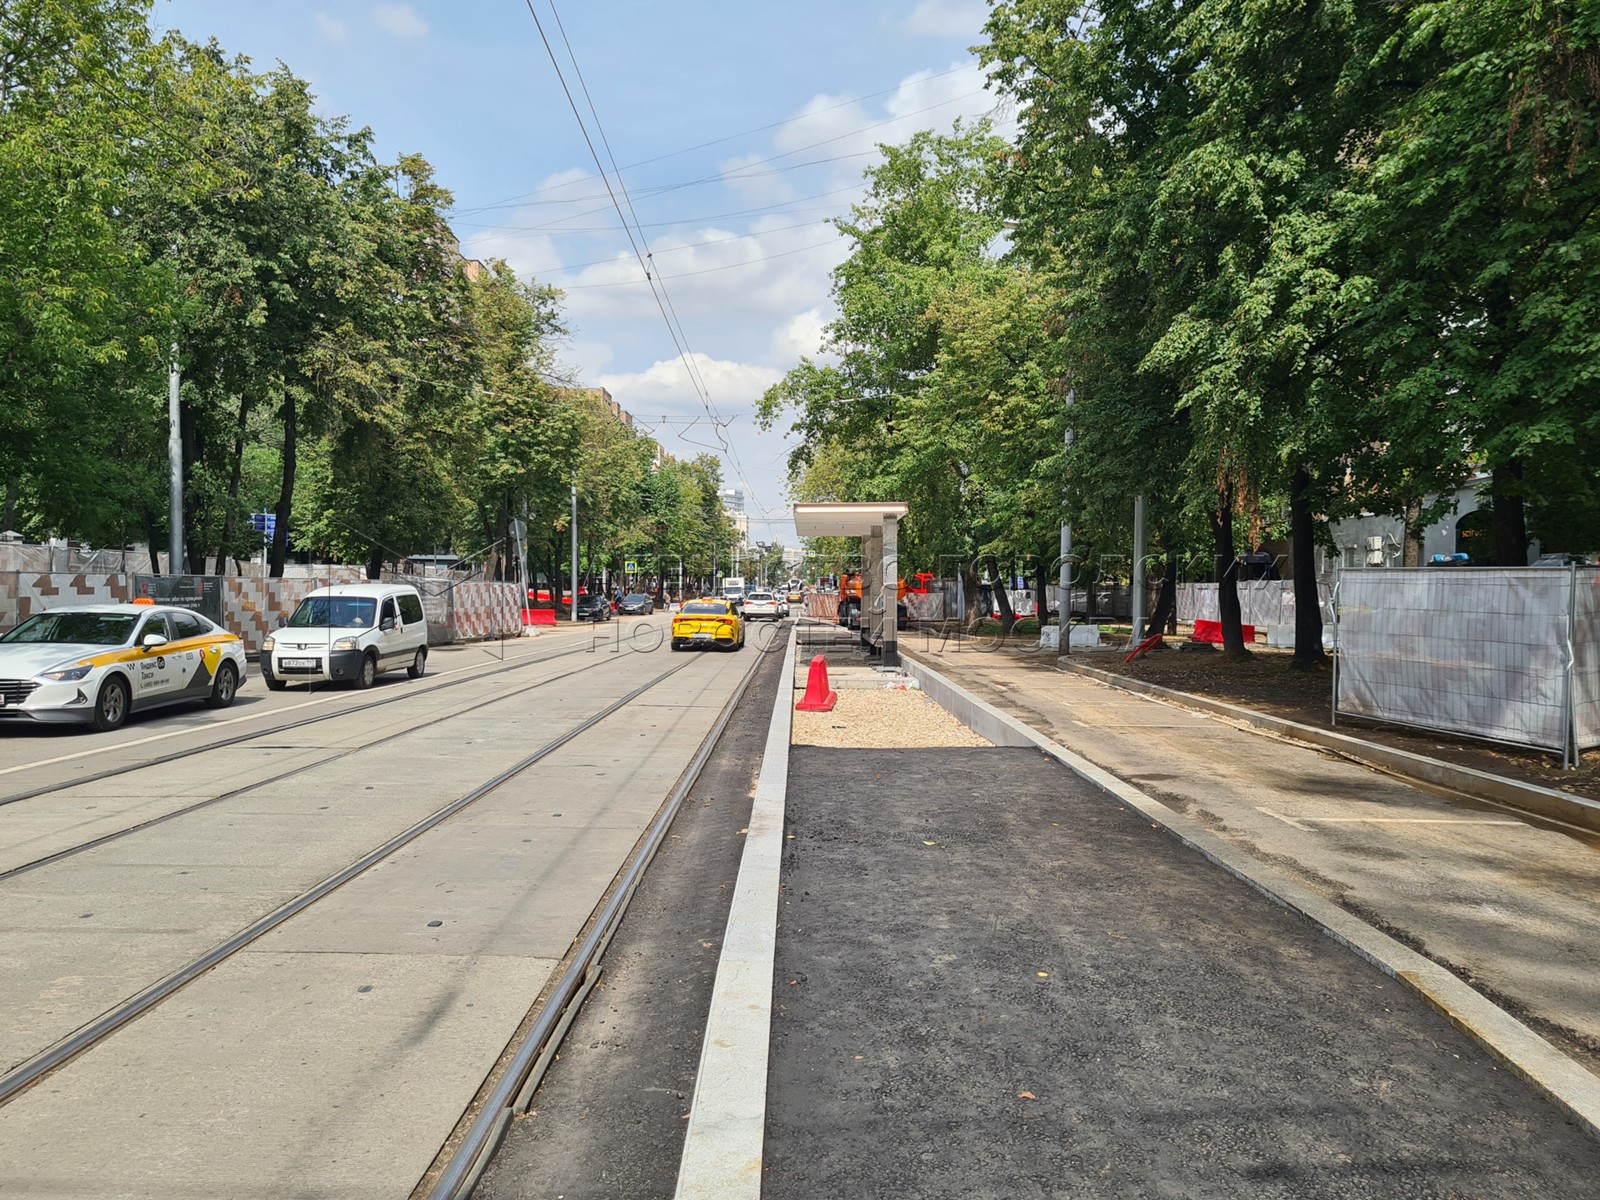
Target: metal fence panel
{"type": "Point", "coordinates": [1483, 652]}
{"type": "Point", "coordinates": [1586, 659]}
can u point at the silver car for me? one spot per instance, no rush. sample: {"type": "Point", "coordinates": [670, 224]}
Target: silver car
{"type": "Point", "coordinates": [95, 664]}
{"type": "Point", "coordinates": [765, 604]}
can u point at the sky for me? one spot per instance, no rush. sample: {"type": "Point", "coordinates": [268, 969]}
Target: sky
{"type": "Point", "coordinates": [737, 131]}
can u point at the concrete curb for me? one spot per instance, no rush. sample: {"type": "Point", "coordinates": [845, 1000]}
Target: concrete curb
{"type": "Point", "coordinates": [1551, 1073]}
{"type": "Point", "coordinates": [1528, 797]}
{"type": "Point", "coordinates": [722, 1146]}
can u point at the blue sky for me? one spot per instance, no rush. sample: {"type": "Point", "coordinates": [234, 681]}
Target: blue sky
{"type": "Point", "coordinates": [739, 130]}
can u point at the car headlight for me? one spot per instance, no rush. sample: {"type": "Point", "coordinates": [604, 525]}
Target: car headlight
{"type": "Point", "coordinates": [344, 643]}
{"type": "Point", "coordinates": [267, 644]}
{"type": "Point", "coordinates": [66, 674]}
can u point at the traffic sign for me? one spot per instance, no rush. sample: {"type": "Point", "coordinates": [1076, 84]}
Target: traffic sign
{"type": "Point", "coordinates": [630, 567]}
{"type": "Point", "coordinates": [264, 523]}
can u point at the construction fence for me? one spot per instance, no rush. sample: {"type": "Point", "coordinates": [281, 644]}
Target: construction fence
{"type": "Point", "coordinates": [457, 610]}
{"type": "Point", "coordinates": [1508, 654]}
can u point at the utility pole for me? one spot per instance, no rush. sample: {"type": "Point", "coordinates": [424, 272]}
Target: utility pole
{"type": "Point", "coordinates": [175, 562]}
{"type": "Point", "coordinates": [1138, 569]}
{"type": "Point", "coordinates": [1064, 578]}
{"type": "Point", "coordinates": [574, 552]}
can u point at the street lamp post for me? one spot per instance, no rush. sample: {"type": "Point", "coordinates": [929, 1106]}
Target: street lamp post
{"type": "Point", "coordinates": [175, 464]}
{"type": "Point", "coordinates": [574, 553]}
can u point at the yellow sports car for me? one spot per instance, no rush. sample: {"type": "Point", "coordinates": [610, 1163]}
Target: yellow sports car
{"type": "Point", "coordinates": [707, 622]}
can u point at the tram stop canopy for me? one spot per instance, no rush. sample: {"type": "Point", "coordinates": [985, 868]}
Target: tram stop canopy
{"type": "Point", "coordinates": [877, 524]}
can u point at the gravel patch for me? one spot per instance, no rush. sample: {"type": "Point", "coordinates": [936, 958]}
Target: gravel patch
{"type": "Point", "coordinates": [882, 719]}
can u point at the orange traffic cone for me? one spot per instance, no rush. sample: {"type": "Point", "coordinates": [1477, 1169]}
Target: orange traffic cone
{"type": "Point", "coordinates": [817, 698]}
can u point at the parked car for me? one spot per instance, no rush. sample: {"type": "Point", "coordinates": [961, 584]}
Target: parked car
{"type": "Point", "coordinates": [348, 633]}
{"type": "Point", "coordinates": [636, 604]}
{"type": "Point", "coordinates": [97, 663]}
{"type": "Point", "coordinates": [764, 604]}
{"type": "Point", "coordinates": [708, 622]}
{"type": "Point", "coordinates": [594, 608]}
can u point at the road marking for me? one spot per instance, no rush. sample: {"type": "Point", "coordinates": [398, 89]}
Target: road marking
{"type": "Point", "coordinates": [1296, 821]}
{"type": "Point", "coordinates": [1285, 820]}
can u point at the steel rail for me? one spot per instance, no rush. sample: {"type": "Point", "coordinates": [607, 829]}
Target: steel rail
{"type": "Point", "coordinates": [187, 810]}
{"type": "Point", "coordinates": [177, 755]}
{"type": "Point", "coordinates": [517, 1081]}
{"type": "Point", "coordinates": [48, 1060]}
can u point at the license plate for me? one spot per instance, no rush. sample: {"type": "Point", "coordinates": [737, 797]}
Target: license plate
{"type": "Point", "coordinates": [300, 663]}
{"type": "Point", "coordinates": [702, 637]}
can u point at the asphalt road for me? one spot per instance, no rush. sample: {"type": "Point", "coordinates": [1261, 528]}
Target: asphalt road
{"type": "Point", "coordinates": [992, 980]}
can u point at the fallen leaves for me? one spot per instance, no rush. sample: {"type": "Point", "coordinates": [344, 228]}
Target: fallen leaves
{"type": "Point", "coordinates": [1026, 1096]}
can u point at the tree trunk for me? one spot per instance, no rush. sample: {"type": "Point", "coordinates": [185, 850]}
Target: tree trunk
{"type": "Point", "coordinates": [1221, 518]}
{"type": "Point", "coordinates": [1411, 535]}
{"type": "Point", "coordinates": [1510, 518]}
{"type": "Point", "coordinates": [1307, 609]}
{"type": "Point", "coordinates": [235, 477]}
{"type": "Point", "coordinates": [1002, 601]}
{"type": "Point", "coordinates": [1041, 593]}
{"type": "Point", "coordinates": [8, 519]}
{"type": "Point", "coordinates": [280, 531]}
{"type": "Point", "coordinates": [375, 563]}
{"type": "Point", "coordinates": [1164, 618]}
{"type": "Point", "coordinates": [151, 536]}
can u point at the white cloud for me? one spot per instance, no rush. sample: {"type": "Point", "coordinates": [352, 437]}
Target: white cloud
{"type": "Point", "coordinates": [666, 388]}
{"type": "Point", "coordinates": [332, 29]}
{"type": "Point", "coordinates": [948, 18]}
{"type": "Point", "coordinates": [799, 337]}
{"type": "Point", "coordinates": [399, 20]}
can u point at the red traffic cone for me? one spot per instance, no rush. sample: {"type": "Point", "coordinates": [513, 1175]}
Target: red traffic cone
{"type": "Point", "coordinates": [817, 698]}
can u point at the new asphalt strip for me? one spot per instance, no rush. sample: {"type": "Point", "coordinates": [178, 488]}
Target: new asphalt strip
{"type": "Point", "coordinates": [994, 977]}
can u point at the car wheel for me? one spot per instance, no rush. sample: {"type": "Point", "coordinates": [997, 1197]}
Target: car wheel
{"type": "Point", "coordinates": [111, 705]}
{"type": "Point", "coordinates": [225, 688]}
{"type": "Point", "coordinates": [368, 672]}
{"type": "Point", "coordinates": [676, 644]}
{"type": "Point", "coordinates": [274, 684]}
{"type": "Point", "coordinates": [419, 664]}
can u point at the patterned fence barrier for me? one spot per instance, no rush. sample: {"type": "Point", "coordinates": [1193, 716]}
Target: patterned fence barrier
{"type": "Point", "coordinates": [251, 606]}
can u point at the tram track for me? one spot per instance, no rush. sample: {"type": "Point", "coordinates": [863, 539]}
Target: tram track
{"type": "Point", "coordinates": [276, 730]}
{"type": "Point", "coordinates": [39, 1066]}
{"type": "Point", "coordinates": [257, 785]}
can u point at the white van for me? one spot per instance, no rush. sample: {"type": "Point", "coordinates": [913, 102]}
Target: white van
{"type": "Point", "coordinates": [733, 591]}
{"type": "Point", "coordinates": [348, 633]}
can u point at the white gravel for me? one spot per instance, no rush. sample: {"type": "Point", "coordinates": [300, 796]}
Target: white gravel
{"type": "Point", "coordinates": [882, 719]}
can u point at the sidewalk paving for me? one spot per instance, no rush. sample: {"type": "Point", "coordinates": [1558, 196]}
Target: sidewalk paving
{"type": "Point", "coordinates": [996, 977]}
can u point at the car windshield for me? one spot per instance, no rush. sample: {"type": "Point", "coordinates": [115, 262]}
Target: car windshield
{"type": "Point", "coordinates": [590, 601]}
{"type": "Point", "coordinates": [759, 596]}
{"type": "Point", "coordinates": [635, 598]}
{"type": "Point", "coordinates": [85, 628]}
{"type": "Point", "coordinates": [352, 612]}
{"type": "Point", "coordinates": [705, 608]}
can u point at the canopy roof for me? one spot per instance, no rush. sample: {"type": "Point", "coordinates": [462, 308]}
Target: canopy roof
{"type": "Point", "coordinates": [843, 520]}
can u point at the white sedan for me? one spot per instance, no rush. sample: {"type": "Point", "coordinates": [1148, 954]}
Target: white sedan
{"type": "Point", "coordinates": [765, 604]}
{"type": "Point", "coordinates": [96, 663]}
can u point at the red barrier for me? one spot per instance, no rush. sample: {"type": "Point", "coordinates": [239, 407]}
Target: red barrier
{"type": "Point", "coordinates": [1211, 631]}
{"type": "Point", "coordinates": [538, 616]}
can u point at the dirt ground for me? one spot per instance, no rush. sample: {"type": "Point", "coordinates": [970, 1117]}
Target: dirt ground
{"type": "Point", "coordinates": [1266, 683]}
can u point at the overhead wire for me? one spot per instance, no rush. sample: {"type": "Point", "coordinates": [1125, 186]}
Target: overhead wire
{"type": "Point", "coordinates": [658, 288]}
{"type": "Point", "coordinates": [683, 353]}
{"type": "Point", "coordinates": [714, 142]}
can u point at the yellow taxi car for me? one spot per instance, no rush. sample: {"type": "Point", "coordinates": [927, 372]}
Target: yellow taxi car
{"type": "Point", "coordinates": [97, 663]}
{"type": "Point", "coordinates": [707, 622]}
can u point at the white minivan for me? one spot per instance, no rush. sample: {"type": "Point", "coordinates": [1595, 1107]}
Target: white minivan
{"type": "Point", "coordinates": [348, 633]}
